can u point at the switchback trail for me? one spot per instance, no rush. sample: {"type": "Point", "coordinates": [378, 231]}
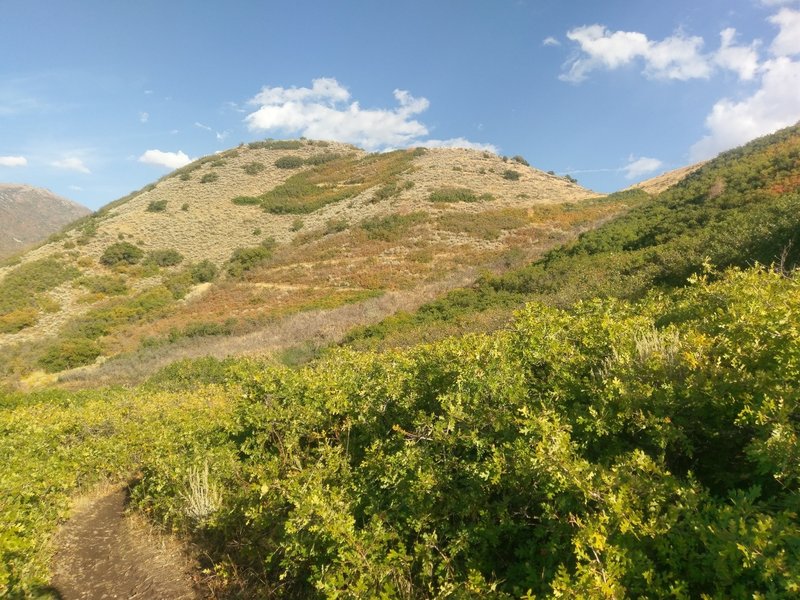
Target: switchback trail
{"type": "Point", "coordinates": [104, 554]}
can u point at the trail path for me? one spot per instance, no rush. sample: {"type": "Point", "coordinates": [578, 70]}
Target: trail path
{"type": "Point", "coordinates": [104, 554]}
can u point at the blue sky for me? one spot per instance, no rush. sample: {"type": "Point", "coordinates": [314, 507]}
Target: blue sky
{"type": "Point", "coordinates": [98, 98]}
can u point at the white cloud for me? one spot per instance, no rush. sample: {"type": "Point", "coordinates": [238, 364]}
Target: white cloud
{"type": "Point", "coordinates": [323, 112]}
{"type": "Point", "coordinates": [637, 167]}
{"type": "Point", "coordinates": [774, 105]}
{"type": "Point", "coordinates": [171, 160]}
{"type": "Point", "coordinates": [220, 135]}
{"type": "Point", "coordinates": [787, 42]}
{"type": "Point", "coordinates": [550, 41]}
{"type": "Point", "coordinates": [741, 59]}
{"type": "Point", "coordinates": [13, 161]}
{"type": "Point", "coordinates": [324, 89]}
{"type": "Point", "coordinates": [201, 126]}
{"type": "Point", "coordinates": [76, 188]}
{"type": "Point", "coordinates": [71, 164]}
{"type": "Point", "coordinates": [676, 57]}
{"type": "Point", "coordinates": [144, 117]}
{"type": "Point", "coordinates": [459, 142]}
{"type": "Point", "coordinates": [326, 111]}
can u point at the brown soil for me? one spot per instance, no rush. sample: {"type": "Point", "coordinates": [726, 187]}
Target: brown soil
{"type": "Point", "coordinates": [103, 553]}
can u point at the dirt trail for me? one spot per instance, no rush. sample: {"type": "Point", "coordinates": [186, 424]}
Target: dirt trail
{"type": "Point", "coordinates": [104, 554]}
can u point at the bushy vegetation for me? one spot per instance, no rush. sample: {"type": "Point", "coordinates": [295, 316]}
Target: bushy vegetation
{"type": "Point", "coordinates": [164, 258]}
{"type": "Point", "coordinates": [108, 285]}
{"type": "Point", "coordinates": [738, 209]}
{"type": "Point", "coordinates": [511, 175]}
{"type": "Point", "coordinates": [276, 145]}
{"type": "Point", "coordinates": [617, 450]}
{"type": "Point", "coordinates": [335, 179]}
{"type": "Point", "coordinates": [70, 353]}
{"type": "Point", "coordinates": [57, 444]}
{"type": "Point", "coordinates": [23, 291]}
{"type": "Point", "coordinates": [392, 227]}
{"type": "Point", "coordinates": [246, 259]}
{"type": "Point", "coordinates": [204, 271]}
{"type": "Point", "coordinates": [121, 253]}
{"type": "Point", "coordinates": [458, 195]}
{"type": "Point", "coordinates": [157, 206]}
{"type": "Point", "coordinates": [254, 168]}
{"type": "Point", "coordinates": [209, 177]}
{"type": "Point", "coordinates": [290, 162]}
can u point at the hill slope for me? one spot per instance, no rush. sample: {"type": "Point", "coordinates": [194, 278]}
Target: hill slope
{"type": "Point", "coordinates": [740, 208]}
{"type": "Point", "coordinates": [241, 241]}
{"type": "Point", "coordinates": [30, 214]}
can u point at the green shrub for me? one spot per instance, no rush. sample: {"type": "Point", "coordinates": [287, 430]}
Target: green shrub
{"type": "Point", "coordinates": [121, 253]}
{"type": "Point", "coordinates": [16, 320]}
{"type": "Point", "coordinates": [520, 160]}
{"type": "Point", "coordinates": [321, 159]}
{"type": "Point", "coordinates": [209, 177]}
{"type": "Point", "coordinates": [178, 283]}
{"type": "Point", "coordinates": [70, 353]}
{"type": "Point", "coordinates": [297, 225]}
{"type": "Point", "coordinates": [21, 287]}
{"type": "Point", "coordinates": [391, 227]}
{"type": "Point", "coordinates": [185, 206]}
{"type": "Point", "coordinates": [511, 175]}
{"type": "Point", "coordinates": [458, 195]}
{"type": "Point", "coordinates": [276, 145]}
{"type": "Point", "coordinates": [246, 259]}
{"type": "Point", "coordinates": [157, 206]}
{"type": "Point", "coordinates": [104, 284]}
{"type": "Point", "coordinates": [253, 168]}
{"type": "Point", "coordinates": [164, 258]}
{"type": "Point", "coordinates": [203, 272]}
{"type": "Point", "coordinates": [246, 201]}
{"type": "Point", "coordinates": [289, 162]}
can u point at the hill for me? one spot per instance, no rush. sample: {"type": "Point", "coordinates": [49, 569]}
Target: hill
{"type": "Point", "coordinates": [664, 181]}
{"type": "Point", "coordinates": [736, 210]}
{"type": "Point", "coordinates": [30, 214]}
{"type": "Point", "coordinates": [633, 431]}
{"type": "Point", "coordinates": [226, 255]}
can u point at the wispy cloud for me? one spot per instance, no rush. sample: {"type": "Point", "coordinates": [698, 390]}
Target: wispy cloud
{"type": "Point", "coordinates": [71, 163]}
{"type": "Point", "coordinates": [220, 135]}
{"type": "Point", "coordinates": [679, 56]}
{"type": "Point", "coordinates": [13, 161]}
{"type": "Point", "coordinates": [144, 117]}
{"type": "Point", "coordinates": [170, 160]}
{"type": "Point", "coordinates": [550, 41]}
{"type": "Point", "coordinates": [638, 167]}
{"type": "Point", "coordinates": [325, 111]}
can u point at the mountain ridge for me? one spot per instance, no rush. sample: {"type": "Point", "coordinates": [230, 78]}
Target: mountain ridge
{"type": "Point", "coordinates": [29, 214]}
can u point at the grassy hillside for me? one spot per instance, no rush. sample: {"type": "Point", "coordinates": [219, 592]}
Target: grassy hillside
{"type": "Point", "coordinates": [221, 256]}
{"type": "Point", "coordinates": [739, 209]}
{"type": "Point", "coordinates": [619, 449]}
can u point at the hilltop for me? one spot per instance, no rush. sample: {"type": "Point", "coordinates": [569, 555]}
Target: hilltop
{"type": "Point", "coordinates": [30, 214]}
{"type": "Point", "coordinates": [226, 254]}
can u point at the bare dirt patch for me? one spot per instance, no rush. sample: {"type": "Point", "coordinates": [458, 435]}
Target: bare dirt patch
{"type": "Point", "coordinates": [104, 553]}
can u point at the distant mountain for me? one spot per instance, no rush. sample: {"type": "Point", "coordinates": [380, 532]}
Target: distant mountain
{"type": "Point", "coordinates": [29, 214]}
